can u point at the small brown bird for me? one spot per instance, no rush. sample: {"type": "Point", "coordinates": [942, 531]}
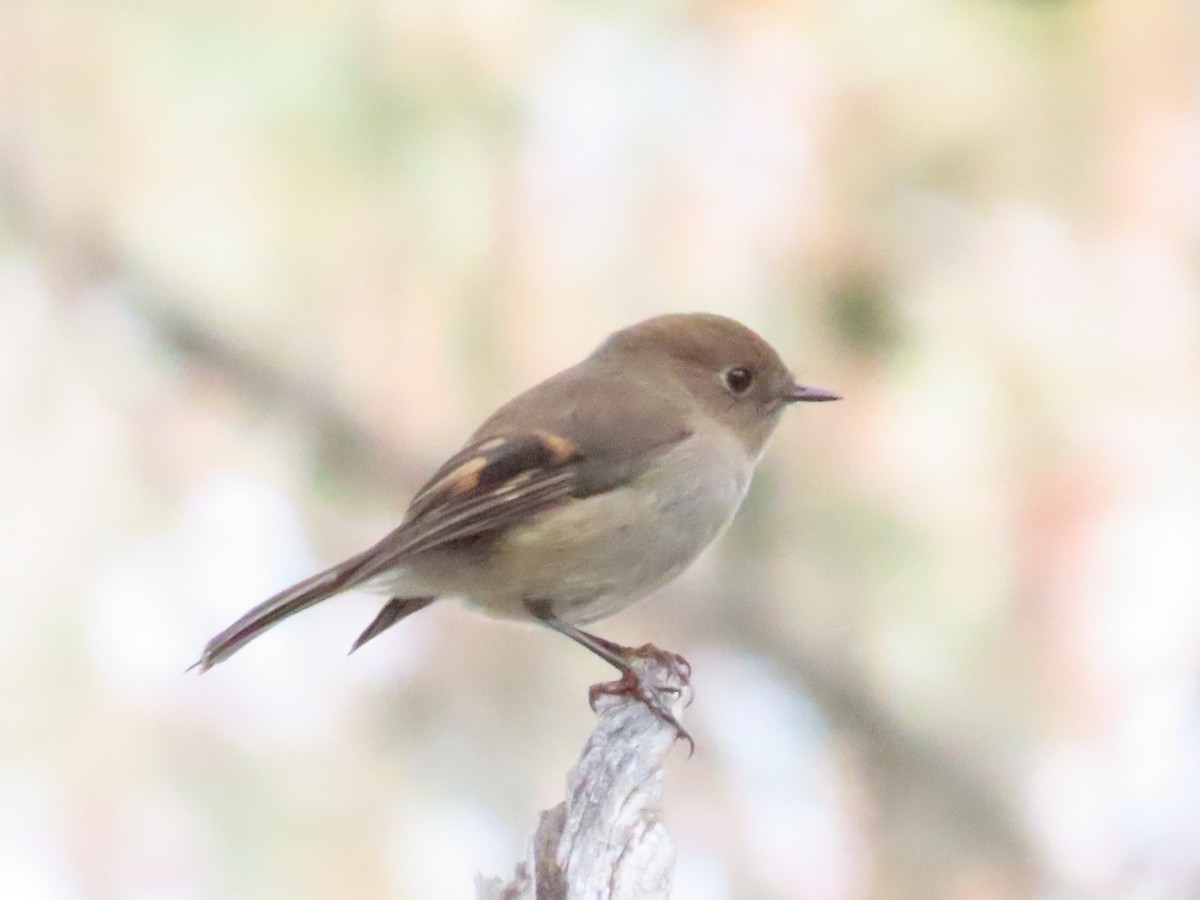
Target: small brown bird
{"type": "Point", "coordinates": [580, 496]}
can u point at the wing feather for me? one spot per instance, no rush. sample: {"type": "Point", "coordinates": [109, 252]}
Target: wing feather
{"type": "Point", "coordinates": [490, 485]}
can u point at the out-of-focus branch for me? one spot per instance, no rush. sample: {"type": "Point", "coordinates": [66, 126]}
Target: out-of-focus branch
{"type": "Point", "coordinates": [78, 258]}
{"type": "Point", "coordinates": [340, 442]}
{"type": "Point", "coordinates": [916, 770]}
{"type": "Point", "coordinates": [605, 840]}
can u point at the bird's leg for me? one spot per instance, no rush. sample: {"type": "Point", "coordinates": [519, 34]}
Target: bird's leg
{"type": "Point", "coordinates": [618, 656]}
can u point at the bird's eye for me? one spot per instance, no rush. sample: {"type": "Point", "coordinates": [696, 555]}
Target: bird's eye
{"type": "Point", "coordinates": [738, 380]}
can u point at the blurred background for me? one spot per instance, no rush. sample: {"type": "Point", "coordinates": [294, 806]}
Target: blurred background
{"type": "Point", "coordinates": [264, 265]}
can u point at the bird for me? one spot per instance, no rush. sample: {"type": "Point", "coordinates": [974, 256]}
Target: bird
{"type": "Point", "coordinates": [578, 497]}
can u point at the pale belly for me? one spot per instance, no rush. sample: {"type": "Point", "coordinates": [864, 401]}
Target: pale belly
{"type": "Point", "coordinates": [595, 556]}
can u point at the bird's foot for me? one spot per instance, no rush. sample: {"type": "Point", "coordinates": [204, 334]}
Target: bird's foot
{"type": "Point", "coordinates": [633, 683]}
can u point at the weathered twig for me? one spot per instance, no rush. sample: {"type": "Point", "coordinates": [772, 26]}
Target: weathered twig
{"type": "Point", "coordinates": [605, 840]}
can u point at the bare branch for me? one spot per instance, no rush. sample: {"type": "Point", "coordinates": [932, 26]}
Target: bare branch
{"type": "Point", "coordinates": [605, 840]}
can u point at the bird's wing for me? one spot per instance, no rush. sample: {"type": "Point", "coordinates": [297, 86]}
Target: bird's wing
{"type": "Point", "coordinates": [489, 485]}
{"type": "Point", "coordinates": [486, 486]}
{"type": "Point", "coordinates": [549, 445]}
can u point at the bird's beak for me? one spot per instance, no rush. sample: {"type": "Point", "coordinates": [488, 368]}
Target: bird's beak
{"type": "Point", "coordinates": [800, 393]}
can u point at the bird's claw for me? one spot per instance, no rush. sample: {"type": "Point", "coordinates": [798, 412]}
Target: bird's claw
{"type": "Point", "coordinates": [631, 683]}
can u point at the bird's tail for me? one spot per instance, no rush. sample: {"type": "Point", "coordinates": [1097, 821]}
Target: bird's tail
{"type": "Point", "coordinates": [286, 603]}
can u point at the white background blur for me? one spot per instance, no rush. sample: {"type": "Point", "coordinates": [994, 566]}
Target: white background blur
{"type": "Point", "coordinates": [263, 265]}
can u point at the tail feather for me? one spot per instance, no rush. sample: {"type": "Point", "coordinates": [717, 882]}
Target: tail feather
{"type": "Point", "coordinates": [275, 609]}
{"type": "Point", "coordinates": [393, 611]}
